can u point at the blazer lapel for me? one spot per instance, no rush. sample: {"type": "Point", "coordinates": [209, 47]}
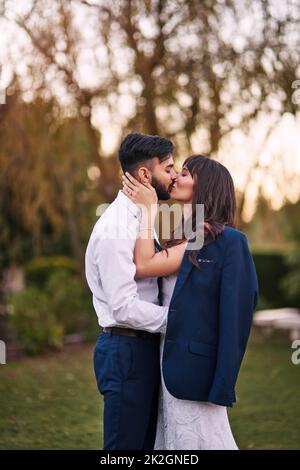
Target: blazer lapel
{"type": "Point", "coordinates": [184, 271]}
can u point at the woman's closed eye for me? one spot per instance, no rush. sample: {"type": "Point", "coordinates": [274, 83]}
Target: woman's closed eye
{"type": "Point", "coordinates": [184, 172]}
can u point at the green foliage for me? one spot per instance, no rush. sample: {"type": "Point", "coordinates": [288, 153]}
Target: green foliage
{"type": "Point", "coordinates": [42, 316]}
{"type": "Point", "coordinates": [70, 302]}
{"type": "Point", "coordinates": [47, 202]}
{"type": "Point", "coordinates": [271, 270]}
{"type": "Point", "coordinates": [273, 235]}
{"type": "Point", "coordinates": [39, 270]}
{"type": "Point", "coordinates": [278, 283]}
{"type": "Point", "coordinates": [34, 322]}
{"type": "Point", "coordinates": [291, 284]}
{"type": "Point", "coordinates": [264, 304]}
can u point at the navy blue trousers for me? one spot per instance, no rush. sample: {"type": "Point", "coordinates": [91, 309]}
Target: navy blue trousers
{"type": "Point", "coordinates": [127, 371]}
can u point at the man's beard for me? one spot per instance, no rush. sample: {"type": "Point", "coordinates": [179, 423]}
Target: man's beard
{"type": "Point", "coordinates": [162, 193]}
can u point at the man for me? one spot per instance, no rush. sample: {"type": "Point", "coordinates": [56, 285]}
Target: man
{"type": "Point", "coordinates": [126, 357]}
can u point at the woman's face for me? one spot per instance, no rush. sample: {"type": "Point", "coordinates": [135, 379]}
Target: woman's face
{"type": "Point", "coordinates": [183, 187]}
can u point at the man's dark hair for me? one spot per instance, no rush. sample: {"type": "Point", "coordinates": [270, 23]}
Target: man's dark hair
{"type": "Point", "coordinates": [140, 148]}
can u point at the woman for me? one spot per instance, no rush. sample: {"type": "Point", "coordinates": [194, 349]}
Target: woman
{"type": "Point", "coordinates": [211, 293]}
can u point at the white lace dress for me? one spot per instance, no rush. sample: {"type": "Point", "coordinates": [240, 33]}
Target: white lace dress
{"type": "Point", "coordinates": [185, 424]}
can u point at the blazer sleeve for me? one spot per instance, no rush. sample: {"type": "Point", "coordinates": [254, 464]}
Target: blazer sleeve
{"type": "Point", "coordinates": [238, 299]}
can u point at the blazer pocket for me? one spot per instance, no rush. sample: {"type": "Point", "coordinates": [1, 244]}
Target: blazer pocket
{"type": "Point", "coordinates": [202, 349]}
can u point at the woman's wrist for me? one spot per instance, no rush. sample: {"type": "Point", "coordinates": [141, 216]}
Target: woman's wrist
{"type": "Point", "coordinates": [147, 222]}
{"type": "Point", "coordinates": [149, 208]}
{"type": "Point", "coordinates": [149, 213]}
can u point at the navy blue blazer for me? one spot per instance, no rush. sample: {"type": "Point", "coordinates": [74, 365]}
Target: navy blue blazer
{"type": "Point", "coordinates": [209, 321]}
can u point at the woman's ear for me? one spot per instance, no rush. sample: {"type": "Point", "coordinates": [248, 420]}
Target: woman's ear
{"type": "Point", "coordinates": [144, 175]}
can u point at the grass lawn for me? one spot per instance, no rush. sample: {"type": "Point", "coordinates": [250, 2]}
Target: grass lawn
{"type": "Point", "coordinates": [267, 413]}
{"type": "Point", "coordinates": [51, 402]}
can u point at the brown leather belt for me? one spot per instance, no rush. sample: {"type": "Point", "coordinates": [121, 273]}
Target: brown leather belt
{"type": "Point", "coordinates": [115, 330]}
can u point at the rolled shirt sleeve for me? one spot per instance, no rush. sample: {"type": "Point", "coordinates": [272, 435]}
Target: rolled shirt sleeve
{"type": "Point", "coordinates": [116, 270]}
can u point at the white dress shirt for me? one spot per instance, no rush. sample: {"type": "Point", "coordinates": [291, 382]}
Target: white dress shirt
{"type": "Point", "coordinates": [119, 299]}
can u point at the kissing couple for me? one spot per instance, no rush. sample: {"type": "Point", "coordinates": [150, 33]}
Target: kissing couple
{"type": "Point", "coordinates": [175, 319]}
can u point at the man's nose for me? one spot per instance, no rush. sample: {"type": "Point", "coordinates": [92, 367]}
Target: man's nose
{"type": "Point", "coordinates": [173, 174]}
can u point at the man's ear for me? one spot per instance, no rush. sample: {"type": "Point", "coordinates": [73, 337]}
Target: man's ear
{"type": "Point", "coordinates": [144, 175]}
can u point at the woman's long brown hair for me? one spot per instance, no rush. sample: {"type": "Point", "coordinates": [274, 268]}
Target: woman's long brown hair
{"type": "Point", "coordinates": [214, 188]}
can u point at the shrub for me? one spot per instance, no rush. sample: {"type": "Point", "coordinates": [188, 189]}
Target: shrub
{"type": "Point", "coordinates": [38, 271]}
{"type": "Point", "coordinates": [291, 284]}
{"type": "Point", "coordinates": [43, 315]}
{"type": "Point", "coordinates": [69, 301]}
{"type": "Point", "coordinates": [272, 269]}
{"type": "Point", "coordinates": [34, 322]}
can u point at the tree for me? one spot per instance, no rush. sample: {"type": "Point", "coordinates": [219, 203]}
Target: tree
{"type": "Point", "coordinates": [191, 70]}
{"type": "Point", "coordinates": [45, 192]}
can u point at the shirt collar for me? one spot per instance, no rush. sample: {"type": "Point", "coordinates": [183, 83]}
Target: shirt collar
{"type": "Point", "coordinates": [131, 206]}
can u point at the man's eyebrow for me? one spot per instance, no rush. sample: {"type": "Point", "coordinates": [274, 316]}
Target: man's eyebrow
{"type": "Point", "coordinates": [170, 164]}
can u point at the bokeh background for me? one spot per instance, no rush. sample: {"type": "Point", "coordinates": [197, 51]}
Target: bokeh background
{"type": "Point", "coordinates": [220, 78]}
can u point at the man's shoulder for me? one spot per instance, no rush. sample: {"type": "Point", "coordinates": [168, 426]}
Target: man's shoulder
{"type": "Point", "coordinates": [111, 226]}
